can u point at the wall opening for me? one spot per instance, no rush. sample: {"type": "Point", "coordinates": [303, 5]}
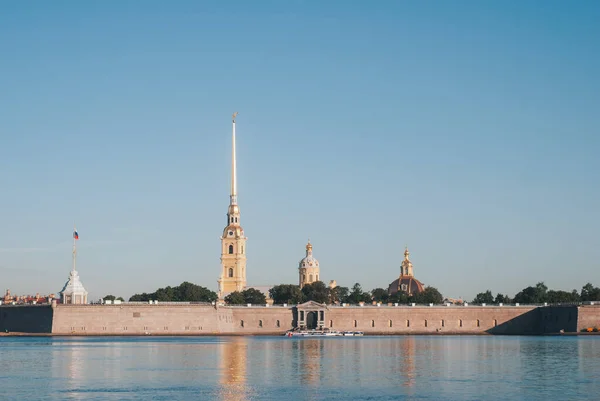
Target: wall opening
{"type": "Point", "coordinates": [408, 323]}
{"type": "Point", "coordinates": [230, 249]}
{"type": "Point", "coordinates": [372, 323]}
{"type": "Point", "coordinates": [390, 323]}
{"type": "Point", "coordinates": [260, 323]}
{"type": "Point", "coordinates": [495, 322]}
{"type": "Point", "coordinates": [241, 323]}
{"type": "Point", "coordinates": [278, 324]}
{"type": "Point", "coordinates": [230, 272]}
{"type": "Point", "coordinates": [442, 322]}
{"type": "Point", "coordinates": [355, 323]}
{"type": "Point", "coordinates": [478, 324]}
{"type": "Point", "coordinates": [331, 323]}
{"type": "Point", "coordinates": [425, 323]}
{"type": "Point", "coordinates": [460, 323]}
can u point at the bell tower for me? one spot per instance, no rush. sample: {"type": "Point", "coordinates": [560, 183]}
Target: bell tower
{"type": "Point", "coordinates": [233, 241]}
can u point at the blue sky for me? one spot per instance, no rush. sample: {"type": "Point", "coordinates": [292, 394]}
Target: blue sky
{"type": "Point", "coordinates": [466, 130]}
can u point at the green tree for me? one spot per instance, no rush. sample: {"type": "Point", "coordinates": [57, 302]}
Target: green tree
{"type": "Point", "coordinates": [590, 293]}
{"type": "Point", "coordinates": [109, 298]}
{"type": "Point", "coordinates": [338, 295]}
{"type": "Point", "coordinates": [399, 297]}
{"type": "Point", "coordinates": [430, 295]}
{"type": "Point", "coordinates": [254, 296]}
{"type": "Point", "coordinates": [235, 298]}
{"type": "Point", "coordinates": [286, 294]}
{"type": "Point", "coordinates": [165, 295]}
{"type": "Point", "coordinates": [358, 295]}
{"type": "Point", "coordinates": [380, 295]}
{"type": "Point", "coordinates": [502, 299]}
{"type": "Point", "coordinates": [317, 292]}
{"type": "Point", "coordinates": [143, 297]}
{"type": "Point", "coordinates": [563, 297]}
{"type": "Point", "coordinates": [533, 295]}
{"type": "Point", "coordinates": [188, 292]}
{"type": "Point", "coordinates": [185, 292]}
{"type": "Point", "coordinates": [484, 298]}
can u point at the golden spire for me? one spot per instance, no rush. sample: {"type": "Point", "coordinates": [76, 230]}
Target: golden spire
{"type": "Point", "coordinates": [233, 197]}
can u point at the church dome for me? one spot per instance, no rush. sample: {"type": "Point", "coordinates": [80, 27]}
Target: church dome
{"type": "Point", "coordinates": [409, 285]}
{"type": "Point", "coordinates": [309, 260]}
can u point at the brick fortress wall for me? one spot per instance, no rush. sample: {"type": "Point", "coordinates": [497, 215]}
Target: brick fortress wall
{"type": "Point", "coordinates": [194, 319]}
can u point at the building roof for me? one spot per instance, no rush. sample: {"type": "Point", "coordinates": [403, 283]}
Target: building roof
{"type": "Point", "coordinates": [408, 284]}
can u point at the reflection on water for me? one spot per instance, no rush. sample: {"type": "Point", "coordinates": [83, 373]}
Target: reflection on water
{"type": "Point", "coordinates": [232, 364]}
{"type": "Point", "coordinates": [275, 368]}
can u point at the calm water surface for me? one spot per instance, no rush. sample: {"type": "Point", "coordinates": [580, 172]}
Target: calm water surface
{"type": "Point", "coordinates": [279, 368]}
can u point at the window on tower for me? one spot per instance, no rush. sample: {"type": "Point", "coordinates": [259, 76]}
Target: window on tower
{"type": "Point", "coordinates": [231, 249]}
{"type": "Point", "coordinates": [310, 276]}
{"type": "Point", "coordinates": [230, 272]}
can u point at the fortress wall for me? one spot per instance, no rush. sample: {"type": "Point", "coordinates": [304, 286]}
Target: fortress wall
{"type": "Point", "coordinates": [140, 319]}
{"type": "Point", "coordinates": [190, 319]}
{"type": "Point", "coordinates": [588, 316]}
{"type": "Point", "coordinates": [262, 320]}
{"type": "Point", "coordinates": [438, 319]}
{"type": "Point", "coordinates": [26, 318]}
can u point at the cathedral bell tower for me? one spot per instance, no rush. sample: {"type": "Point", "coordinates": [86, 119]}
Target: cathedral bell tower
{"type": "Point", "coordinates": [233, 241]}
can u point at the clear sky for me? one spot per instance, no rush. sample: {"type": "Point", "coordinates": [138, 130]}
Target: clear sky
{"type": "Point", "coordinates": [467, 130]}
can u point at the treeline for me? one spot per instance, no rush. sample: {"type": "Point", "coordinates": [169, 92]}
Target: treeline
{"type": "Point", "coordinates": [540, 294]}
{"type": "Point", "coordinates": [184, 292]}
{"type": "Point", "coordinates": [319, 292]}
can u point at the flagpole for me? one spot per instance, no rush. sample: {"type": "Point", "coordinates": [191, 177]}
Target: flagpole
{"type": "Point", "coordinates": [74, 247]}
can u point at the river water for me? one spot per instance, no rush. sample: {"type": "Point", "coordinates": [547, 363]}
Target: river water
{"type": "Point", "coordinates": [279, 368]}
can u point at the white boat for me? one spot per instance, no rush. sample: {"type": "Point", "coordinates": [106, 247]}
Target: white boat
{"type": "Point", "coordinates": [353, 333]}
{"type": "Point", "coordinates": [313, 333]}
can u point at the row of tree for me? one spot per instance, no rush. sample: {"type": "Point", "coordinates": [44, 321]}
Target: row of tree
{"type": "Point", "coordinates": [540, 294]}
{"type": "Point", "coordinates": [184, 292]}
{"type": "Point", "coordinates": [248, 296]}
{"type": "Point", "coordinates": [319, 292]}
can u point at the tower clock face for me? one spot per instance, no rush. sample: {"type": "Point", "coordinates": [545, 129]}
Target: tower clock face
{"type": "Point", "coordinates": [230, 232]}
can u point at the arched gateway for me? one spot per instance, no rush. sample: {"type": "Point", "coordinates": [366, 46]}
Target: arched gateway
{"type": "Point", "coordinates": [310, 315]}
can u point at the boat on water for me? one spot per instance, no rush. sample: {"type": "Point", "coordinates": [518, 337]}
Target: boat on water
{"type": "Point", "coordinates": [322, 333]}
{"type": "Point", "coordinates": [353, 333]}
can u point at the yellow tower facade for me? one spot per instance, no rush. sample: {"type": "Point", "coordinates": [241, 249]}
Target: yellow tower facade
{"type": "Point", "coordinates": [308, 268]}
{"type": "Point", "coordinates": [233, 240]}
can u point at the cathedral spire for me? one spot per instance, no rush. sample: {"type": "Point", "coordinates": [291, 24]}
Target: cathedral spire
{"type": "Point", "coordinates": [233, 195]}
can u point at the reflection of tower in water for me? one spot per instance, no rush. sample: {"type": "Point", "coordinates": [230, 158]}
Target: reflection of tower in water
{"type": "Point", "coordinates": [408, 361]}
{"type": "Point", "coordinates": [309, 355]}
{"type": "Point", "coordinates": [232, 366]}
